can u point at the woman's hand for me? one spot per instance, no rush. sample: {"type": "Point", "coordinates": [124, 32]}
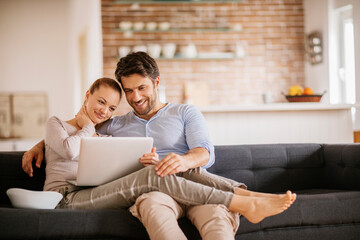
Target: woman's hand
{"type": "Point", "coordinates": [82, 117]}
{"type": "Point", "coordinates": [150, 158]}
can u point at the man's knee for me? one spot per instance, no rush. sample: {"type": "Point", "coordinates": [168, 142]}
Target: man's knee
{"type": "Point", "coordinates": [159, 213]}
{"type": "Point", "coordinates": [156, 203]}
{"type": "Point", "coordinates": [216, 218]}
{"type": "Point", "coordinates": [154, 198]}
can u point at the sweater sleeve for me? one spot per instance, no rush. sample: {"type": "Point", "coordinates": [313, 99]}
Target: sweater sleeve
{"type": "Point", "coordinates": [59, 140]}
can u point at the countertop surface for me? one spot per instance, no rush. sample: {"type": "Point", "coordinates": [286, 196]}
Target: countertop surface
{"type": "Point", "coordinates": [310, 106]}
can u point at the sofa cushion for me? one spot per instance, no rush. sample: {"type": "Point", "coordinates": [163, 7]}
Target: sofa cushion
{"type": "Point", "coordinates": [313, 207]}
{"type": "Point", "coordinates": [77, 224]}
{"type": "Point", "coordinates": [68, 224]}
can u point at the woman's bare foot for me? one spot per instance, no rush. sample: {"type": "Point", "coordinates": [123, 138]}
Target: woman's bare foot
{"type": "Point", "coordinates": [244, 192]}
{"type": "Point", "coordinates": [255, 209]}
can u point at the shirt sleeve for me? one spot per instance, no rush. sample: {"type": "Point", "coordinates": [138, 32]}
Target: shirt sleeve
{"type": "Point", "coordinates": [104, 128]}
{"type": "Point", "coordinates": [196, 132]}
{"type": "Point", "coordinates": [58, 139]}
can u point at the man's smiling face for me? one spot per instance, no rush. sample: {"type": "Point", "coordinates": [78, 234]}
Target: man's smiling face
{"type": "Point", "coordinates": [141, 94]}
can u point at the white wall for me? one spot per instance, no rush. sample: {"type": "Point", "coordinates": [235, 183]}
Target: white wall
{"type": "Point", "coordinates": [41, 49]}
{"type": "Point", "coordinates": [316, 19]}
{"type": "Point", "coordinates": [335, 4]}
{"type": "Point", "coordinates": [319, 18]}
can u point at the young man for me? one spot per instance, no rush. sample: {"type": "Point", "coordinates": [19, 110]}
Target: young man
{"type": "Point", "coordinates": [182, 142]}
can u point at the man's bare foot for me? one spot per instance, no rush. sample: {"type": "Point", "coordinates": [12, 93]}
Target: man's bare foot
{"type": "Point", "coordinates": [244, 192]}
{"type": "Point", "coordinates": [255, 209]}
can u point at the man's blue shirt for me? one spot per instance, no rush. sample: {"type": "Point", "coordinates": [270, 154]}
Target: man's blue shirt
{"type": "Point", "coordinates": [175, 128]}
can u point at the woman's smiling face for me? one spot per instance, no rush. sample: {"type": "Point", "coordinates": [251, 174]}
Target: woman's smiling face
{"type": "Point", "coordinates": [102, 103]}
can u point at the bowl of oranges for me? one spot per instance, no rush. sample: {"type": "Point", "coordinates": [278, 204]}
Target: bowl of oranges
{"type": "Point", "coordinates": [299, 94]}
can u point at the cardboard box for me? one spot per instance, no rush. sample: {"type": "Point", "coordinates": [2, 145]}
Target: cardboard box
{"type": "Point", "coordinates": [30, 113]}
{"type": "Point", "coordinates": [5, 115]}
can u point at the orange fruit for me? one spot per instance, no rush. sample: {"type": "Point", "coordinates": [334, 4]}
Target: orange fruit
{"type": "Point", "coordinates": [308, 91]}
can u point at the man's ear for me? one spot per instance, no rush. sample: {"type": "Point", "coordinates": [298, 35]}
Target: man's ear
{"type": "Point", "coordinates": [157, 82]}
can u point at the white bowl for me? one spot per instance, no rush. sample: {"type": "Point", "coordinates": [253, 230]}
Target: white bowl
{"type": "Point", "coordinates": [22, 198]}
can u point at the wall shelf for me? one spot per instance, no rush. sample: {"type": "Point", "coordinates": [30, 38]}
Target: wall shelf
{"type": "Point", "coordinates": [178, 30]}
{"type": "Point", "coordinates": [175, 1]}
{"type": "Point", "coordinates": [198, 58]}
{"type": "Point", "coordinates": [160, 28]}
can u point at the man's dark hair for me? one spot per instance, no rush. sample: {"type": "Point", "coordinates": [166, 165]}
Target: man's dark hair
{"type": "Point", "coordinates": [137, 63]}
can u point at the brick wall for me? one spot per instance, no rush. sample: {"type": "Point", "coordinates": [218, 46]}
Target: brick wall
{"type": "Point", "coordinates": [272, 36]}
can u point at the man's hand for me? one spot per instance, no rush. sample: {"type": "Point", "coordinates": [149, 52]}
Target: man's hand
{"type": "Point", "coordinates": [175, 163]}
{"type": "Point", "coordinates": [150, 158]}
{"type": "Point", "coordinates": [37, 153]}
{"type": "Point", "coordinates": [171, 164]}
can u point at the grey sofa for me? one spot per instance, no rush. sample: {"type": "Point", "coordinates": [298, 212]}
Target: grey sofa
{"type": "Point", "coordinates": [325, 177]}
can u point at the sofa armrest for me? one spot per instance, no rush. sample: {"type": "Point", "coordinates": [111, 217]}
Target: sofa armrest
{"type": "Point", "coordinates": [342, 166]}
{"type": "Point", "coordinates": [12, 175]}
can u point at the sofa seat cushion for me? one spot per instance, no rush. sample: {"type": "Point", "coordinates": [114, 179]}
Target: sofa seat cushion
{"type": "Point", "coordinates": [313, 207]}
{"type": "Point", "coordinates": [69, 224]}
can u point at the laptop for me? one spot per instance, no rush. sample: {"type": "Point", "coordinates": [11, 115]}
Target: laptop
{"type": "Point", "coordinates": [104, 159]}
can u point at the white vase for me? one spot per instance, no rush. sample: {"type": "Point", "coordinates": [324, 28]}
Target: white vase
{"type": "Point", "coordinates": [168, 50]}
{"type": "Point", "coordinates": [123, 51]}
{"type": "Point", "coordinates": [189, 51]}
{"type": "Point", "coordinates": [138, 26]}
{"type": "Point", "coordinates": [140, 48]}
{"type": "Point", "coordinates": [125, 25]}
{"type": "Point", "coordinates": [154, 50]}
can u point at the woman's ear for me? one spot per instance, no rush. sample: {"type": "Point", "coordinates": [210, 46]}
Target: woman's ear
{"type": "Point", "coordinates": [87, 96]}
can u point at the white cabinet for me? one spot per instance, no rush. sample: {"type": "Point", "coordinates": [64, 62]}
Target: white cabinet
{"type": "Point", "coordinates": [280, 123]}
{"type": "Point", "coordinates": [6, 146]}
{"type": "Point", "coordinates": [17, 144]}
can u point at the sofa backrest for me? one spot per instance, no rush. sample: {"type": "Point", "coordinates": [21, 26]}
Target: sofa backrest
{"type": "Point", "coordinates": [272, 167]}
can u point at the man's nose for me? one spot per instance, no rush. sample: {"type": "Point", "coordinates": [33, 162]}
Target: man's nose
{"type": "Point", "coordinates": [136, 96]}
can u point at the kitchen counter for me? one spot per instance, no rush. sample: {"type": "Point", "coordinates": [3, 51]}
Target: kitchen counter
{"type": "Point", "coordinates": [280, 123]}
{"type": "Point", "coordinates": [276, 107]}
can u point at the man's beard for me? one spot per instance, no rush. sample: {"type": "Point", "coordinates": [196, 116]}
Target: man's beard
{"type": "Point", "coordinates": [151, 104]}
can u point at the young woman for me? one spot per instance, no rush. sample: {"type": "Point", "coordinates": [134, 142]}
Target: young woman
{"type": "Point", "coordinates": [194, 187]}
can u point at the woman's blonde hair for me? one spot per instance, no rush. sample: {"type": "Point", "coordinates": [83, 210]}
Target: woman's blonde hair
{"type": "Point", "coordinates": [108, 82]}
